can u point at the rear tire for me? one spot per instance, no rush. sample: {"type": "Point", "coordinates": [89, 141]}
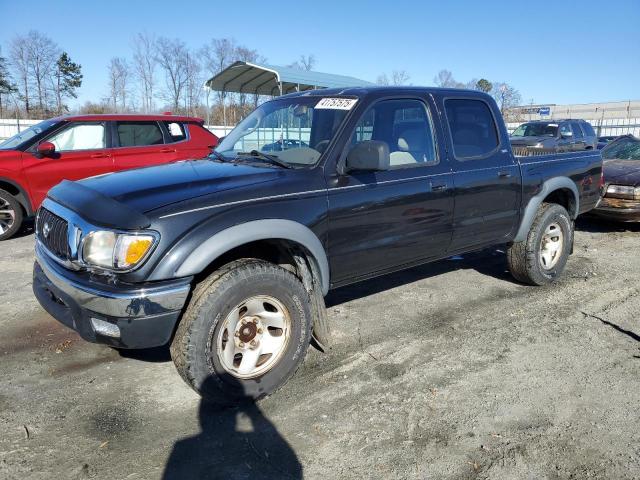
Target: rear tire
{"type": "Point", "coordinates": [11, 215]}
{"type": "Point", "coordinates": [542, 257]}
{"type": "Point", "coordinates": [235, 315]}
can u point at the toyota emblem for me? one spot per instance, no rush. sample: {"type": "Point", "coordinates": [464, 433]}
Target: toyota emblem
{"type": "Point", "coordinates": [45, 230]}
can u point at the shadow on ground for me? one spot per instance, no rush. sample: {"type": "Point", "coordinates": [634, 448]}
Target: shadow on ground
{"type": "Point", "coordinates": [234, 443]}
{"type": "Point", "coordinates": [586, 223]}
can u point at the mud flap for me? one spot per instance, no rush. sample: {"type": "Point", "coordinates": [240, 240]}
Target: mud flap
{"type": "Point", "coordinates": [573, 236]}
{"type": "Point", "coordinates": [321, 335]}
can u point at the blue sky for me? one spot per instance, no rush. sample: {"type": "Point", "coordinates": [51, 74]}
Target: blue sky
{"type": "Point", "coordinates": [553, 52]}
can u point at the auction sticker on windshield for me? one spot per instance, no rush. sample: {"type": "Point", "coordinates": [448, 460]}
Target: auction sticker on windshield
{"type": "Point", "coordinates": [337, 103]}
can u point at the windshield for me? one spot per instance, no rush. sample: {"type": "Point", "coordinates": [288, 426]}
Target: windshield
{"type": "Point", "coordinates": [28, 134]}
{"type": "Point", "coordinates": [536, 130]}
{"type": "Point", "coordinates": [627, 148]}
{"type": "Point", "coordinates": [294, 130]}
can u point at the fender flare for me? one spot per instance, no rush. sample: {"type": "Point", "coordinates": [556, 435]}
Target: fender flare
{"type": "Point", "coordinates": [22, 197]}
{"type": "Point", "coordinates": [268, 229]}
{"type": "Point", "coordinates": [549, 186]}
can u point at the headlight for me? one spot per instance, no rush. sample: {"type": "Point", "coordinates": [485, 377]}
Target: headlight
{"type": "Point", "coordinates": [623, 191]}
{"type": "Point", "coordinates": [116, 251]}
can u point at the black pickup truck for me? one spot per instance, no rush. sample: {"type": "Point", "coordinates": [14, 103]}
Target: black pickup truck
{"type": "Point", "coordinates": [228, 259]}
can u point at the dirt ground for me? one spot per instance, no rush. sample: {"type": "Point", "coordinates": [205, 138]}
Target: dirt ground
{"type": "Point", "coordinates": [450, 370]}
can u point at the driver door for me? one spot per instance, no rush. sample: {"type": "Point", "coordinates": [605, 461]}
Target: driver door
{"type": "Point", "coordinates": [81, 151]}
{"type": "Point", "coordinates": [383, 220]}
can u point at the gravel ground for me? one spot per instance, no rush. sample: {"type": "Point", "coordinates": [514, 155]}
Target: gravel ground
{"type": "Point", "coordinates": [450, 370]}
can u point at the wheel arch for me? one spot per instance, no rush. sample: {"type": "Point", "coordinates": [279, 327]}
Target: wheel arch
{"type": "Point", "coordinates": [559, 190]}
{"type": "Point", "coordinates": [18, 192]}
{"type": "Point", "coordinates": [257, 238]}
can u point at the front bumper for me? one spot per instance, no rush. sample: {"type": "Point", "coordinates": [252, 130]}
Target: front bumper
{"type": "Point", "coordinates": [618, 209]}
{"type": "Point", "coordinates": [144, 316]}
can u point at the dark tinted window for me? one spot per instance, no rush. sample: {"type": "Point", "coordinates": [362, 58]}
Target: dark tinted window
{"type": "Point", "coordinates": [176, 131]}
{"type": "Point", "coordinates": [135, 134]}
{"type": "Point", "coordinates": [405, 126]}
{"type": "Point", "coordinates": [588, 129]}
{"type": "Point", "coordinates": [473, 129]}
{"type": "Point", "coordinates": [577, 132]}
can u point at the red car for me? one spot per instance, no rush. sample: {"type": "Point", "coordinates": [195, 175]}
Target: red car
{"type": "Point", "coordinates": [75, 147]}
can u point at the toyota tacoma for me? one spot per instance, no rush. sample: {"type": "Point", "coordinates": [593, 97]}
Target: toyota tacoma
{"type": "Point", "coordinates": [228, 259]}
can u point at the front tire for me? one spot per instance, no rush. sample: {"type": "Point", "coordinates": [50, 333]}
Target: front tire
{"type": "Point", "coordinates": [11, 215]}
{"type": "Point", "coordinates": [542, 257]}
{"type": "Point", "coordinates": [244, 333]}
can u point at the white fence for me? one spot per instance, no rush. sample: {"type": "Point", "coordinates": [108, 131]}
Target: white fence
{"type": "Point", "coordinates": [603, 127]}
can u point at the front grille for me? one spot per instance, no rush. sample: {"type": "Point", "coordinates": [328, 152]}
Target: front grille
{"type": "Point", "coordinates": [56, 229]}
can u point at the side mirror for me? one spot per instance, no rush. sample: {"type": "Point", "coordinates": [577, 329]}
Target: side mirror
{"type": "Point", "coordinates": [371, 155]}
{"type": "Point", "coordinates": [567, 134]}
{"type": "Point", "coordinates": [46, 149]}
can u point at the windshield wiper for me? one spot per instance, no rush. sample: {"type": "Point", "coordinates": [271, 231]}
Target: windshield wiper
{"type": "Point", "coordinates": [273, 159]}
{"type": "Point", "coordinates": [219, 156]}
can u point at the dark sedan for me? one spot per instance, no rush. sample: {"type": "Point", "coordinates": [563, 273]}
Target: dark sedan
{"type": "Point", "coordinates": [621, 199]}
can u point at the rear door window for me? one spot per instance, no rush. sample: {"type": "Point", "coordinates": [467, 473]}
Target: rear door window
{"type": "Point", "coordinates": [473, 129]}
{"type": "Point", "coordinates": [177, 131]}
{"type": "Point", "coordinates": [137, 134]}
{"type": "Point", "coordinates": [577, 132]}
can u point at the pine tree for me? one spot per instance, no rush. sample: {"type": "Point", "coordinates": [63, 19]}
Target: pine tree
{"type": "Point", "coordinates": [6, 86]}
{"type": "Point", "coordinates": [68, 79]}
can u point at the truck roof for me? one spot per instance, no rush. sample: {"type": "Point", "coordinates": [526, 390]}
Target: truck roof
{"type": "Point", "coordinates": [382, 90]}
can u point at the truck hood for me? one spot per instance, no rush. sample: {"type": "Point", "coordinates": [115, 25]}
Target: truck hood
{"type": "Point", "coordinates": [147, 189]}
{"type": "Point", "coordinates": [622, 172]}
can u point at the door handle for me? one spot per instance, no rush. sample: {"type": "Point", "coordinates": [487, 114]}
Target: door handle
{"type": "Point", "coordinates": [100, 155]}
{"type": "Point", "coordinates": [504, 175]}
{"type": "Point", "coordinates": [167, 150]}
{"type": "Point", "coordinates": [438, 188]}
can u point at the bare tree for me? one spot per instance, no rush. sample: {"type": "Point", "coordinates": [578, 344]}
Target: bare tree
{"type": "Point", "coordinates": [144, 67]}
{"type": "Point", "coordinates": [19, 58]}
{"type": "Point", "coordinates": [398, 77]}
{"type": "Point", "coordinates": [119, 75]}
{"type": "Point", "coordinates": [217, 55]}
{"type": "Point", "coordinates": [506, 97]}
{"type": "Point", "coordinates": [194, 82]}
{"type": "Point", "coordinates": [383, 79]}
{"type": "Point", "coordinates": [171, 56]}
{"type": "Point", "coordinates": [245, 54]}
{"type": "Point", "coordinates": [42, 56]}
{"type": "Point", "coordinates": [304, 62]}
{"type": "Point", "coordinates": [445, 79]}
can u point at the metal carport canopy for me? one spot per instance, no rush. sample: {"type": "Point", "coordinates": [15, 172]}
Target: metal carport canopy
{"type": "Point", "coordinates": [245, 77]}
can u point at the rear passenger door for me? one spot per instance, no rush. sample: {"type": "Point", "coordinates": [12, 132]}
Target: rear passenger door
{"type": "Point", "coordinates": [139, 144]}
{"type": "Point", "coordinates": [386, 219]}
{"type": "Point", "coordinates": [579, 142]}
{"type": "Point", "coordinates": [486, 177]}
{"type": "Point", "coordinates": [565, 142]}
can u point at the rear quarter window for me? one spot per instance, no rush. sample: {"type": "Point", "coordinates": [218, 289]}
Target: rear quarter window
{"type": "Point", "coordinates": [474, 133]}
{"type": "Point", "coordinates": [588, 129]}
{"type": "Point", "coordinates": [177, 131]}
{"type": "Point", "coordinates": [577, 132]}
